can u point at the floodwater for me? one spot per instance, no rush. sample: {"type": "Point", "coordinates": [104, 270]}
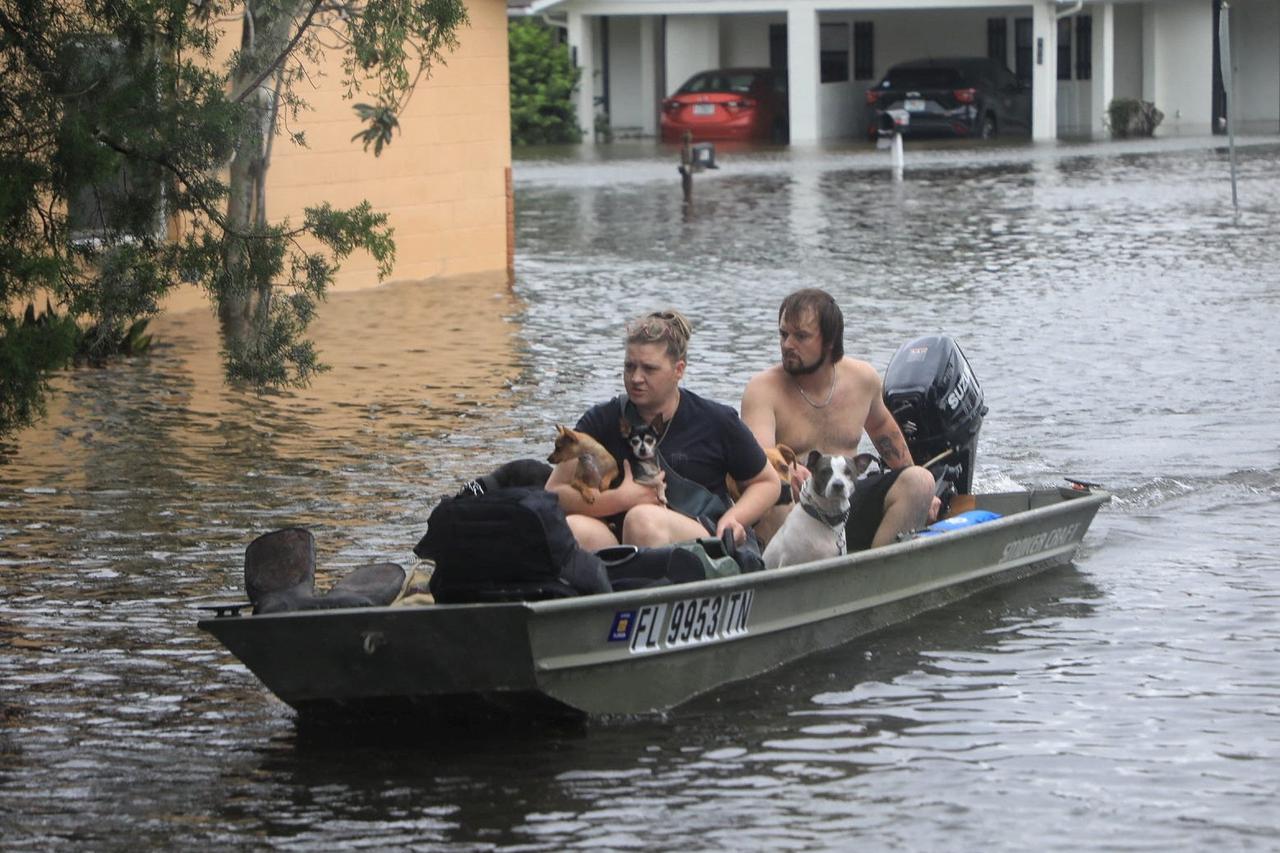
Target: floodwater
{"type": "Point", "coordinates": [1122, 320]}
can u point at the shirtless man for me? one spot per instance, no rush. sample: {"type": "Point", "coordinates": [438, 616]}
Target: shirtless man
{"type": "Point", "coordinates": [818, 398]}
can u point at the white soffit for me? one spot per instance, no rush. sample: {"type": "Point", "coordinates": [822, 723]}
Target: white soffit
{"type": "Point", "coordinates": [712, 7]}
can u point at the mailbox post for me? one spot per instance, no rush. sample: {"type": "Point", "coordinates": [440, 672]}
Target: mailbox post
{"type": "Point", "coordinates": [890, 137]}
{"type": "Point", "coordinates": [694, 158]}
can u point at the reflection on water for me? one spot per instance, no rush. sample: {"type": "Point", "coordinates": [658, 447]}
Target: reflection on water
{"type": "Point", "coordinates": [160, 448]}
{"type": "Point", "coordinates": [1120, 318]}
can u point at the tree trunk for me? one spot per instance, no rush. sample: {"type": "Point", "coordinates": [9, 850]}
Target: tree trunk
{"type": "Point", "coordinates": [243, 305]}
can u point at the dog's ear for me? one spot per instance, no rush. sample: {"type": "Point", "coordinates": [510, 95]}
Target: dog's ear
{"type": "Point", "coordinates": [861, 462]}
{"type": "Point", "coordinates": [811, 461]}
{"type": "Point", "coordinates": [624, 426]}
{"type": "Point", "coordinates": [788, 455]}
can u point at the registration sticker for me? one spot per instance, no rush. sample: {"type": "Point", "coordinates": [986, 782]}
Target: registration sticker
{"type": "Point", "coordinates": [622, 622]}
{"type": "Point", "coordinates": [690, 621]}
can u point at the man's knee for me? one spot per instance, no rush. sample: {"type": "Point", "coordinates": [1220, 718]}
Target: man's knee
{"type": "Point", "coordinates": [911, 495]}
{"type": "Point", "coordinates": [906, 504]}
{"type": "Point", "coordinates": [915, 484]}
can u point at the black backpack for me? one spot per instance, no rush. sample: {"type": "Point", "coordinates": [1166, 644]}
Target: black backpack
{"type": "Point", "coordinates": [510, 544]}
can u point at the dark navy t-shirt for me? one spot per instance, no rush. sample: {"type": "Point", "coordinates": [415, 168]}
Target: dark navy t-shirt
{"type": "Point", "coordinates": [704, 441]}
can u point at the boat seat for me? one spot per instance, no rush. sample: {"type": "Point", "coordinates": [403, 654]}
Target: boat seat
{"type": "Point", "coordinates": [280, 575]}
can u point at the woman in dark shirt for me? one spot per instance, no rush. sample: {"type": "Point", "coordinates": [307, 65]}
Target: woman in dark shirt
{"type": "Point", "coordinates": [702, 442]}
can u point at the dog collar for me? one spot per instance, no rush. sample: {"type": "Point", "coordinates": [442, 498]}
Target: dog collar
{"type": "Point", "coordinates": [829, 520]}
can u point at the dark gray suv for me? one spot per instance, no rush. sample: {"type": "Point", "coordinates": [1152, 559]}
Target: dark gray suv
{"type": "Point", "coordinates": [967, 96]}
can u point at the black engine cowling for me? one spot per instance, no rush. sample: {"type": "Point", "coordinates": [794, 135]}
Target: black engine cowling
{"type": "Point", "coordinates": [937, 401]}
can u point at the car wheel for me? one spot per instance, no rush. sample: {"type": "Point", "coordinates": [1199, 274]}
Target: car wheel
{"type": "Point", "coordinates": [988, 126]}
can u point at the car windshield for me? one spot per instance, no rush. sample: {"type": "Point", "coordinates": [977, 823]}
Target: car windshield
{"type": "Point", "coordinates": [718, 81]}
{"type": "Point", "coordinates": [921, 78]}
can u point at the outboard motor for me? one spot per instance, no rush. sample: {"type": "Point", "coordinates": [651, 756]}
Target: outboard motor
{"type": "Point", "coordinates": [937, 402]}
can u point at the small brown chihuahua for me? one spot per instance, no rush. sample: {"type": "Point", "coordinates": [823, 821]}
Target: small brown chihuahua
{"type": "Point", "coordinates": [596, 466]}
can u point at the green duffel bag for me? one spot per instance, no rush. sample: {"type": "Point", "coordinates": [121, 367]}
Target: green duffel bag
{"type": "Point", "coordinates": [712, 554]}
{"type": "Point", "coordinates": [630, 567]}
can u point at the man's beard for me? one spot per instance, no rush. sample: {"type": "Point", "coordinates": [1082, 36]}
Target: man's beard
{"type": "Point", "coordinates": [804, 369]}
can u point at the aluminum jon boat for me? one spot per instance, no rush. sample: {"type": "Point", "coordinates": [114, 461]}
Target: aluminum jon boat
{"type": "Point", "coordinates": [642, 651]}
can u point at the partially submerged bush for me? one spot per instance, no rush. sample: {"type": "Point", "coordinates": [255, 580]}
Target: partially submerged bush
{"type": "Point", "coordinates": [32, 349]}
{"type": "Point", "coordinates": [1127, 117]}
{"type": "Point", "coordinates": [543, 79]}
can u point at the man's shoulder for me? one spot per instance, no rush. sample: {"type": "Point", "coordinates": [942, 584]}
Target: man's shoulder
{"type": "Point", "coordinates": [768, 381]}
{"type": "Point", "coordinates": [860, 370]}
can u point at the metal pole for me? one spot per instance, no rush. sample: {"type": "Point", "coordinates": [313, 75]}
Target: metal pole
{"type": "Point", "coordinates": [1229, 83]}
{"type": "Point", "coordinates": [686, 167]}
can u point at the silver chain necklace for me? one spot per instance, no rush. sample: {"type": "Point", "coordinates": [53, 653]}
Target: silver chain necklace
{"type": "Point", "coordinates": [830, 392]}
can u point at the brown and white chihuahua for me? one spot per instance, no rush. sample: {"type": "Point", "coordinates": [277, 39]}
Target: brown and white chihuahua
{"type": "Point", "coordinates": [596, 466]}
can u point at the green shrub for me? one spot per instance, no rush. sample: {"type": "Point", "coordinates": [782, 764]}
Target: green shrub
{"type": "Point", "coordinates": [1128, 117]}
{"type": "Point", "coordinates": [542, 82]}
{"type": "Point", "coordinates": [30, 351]}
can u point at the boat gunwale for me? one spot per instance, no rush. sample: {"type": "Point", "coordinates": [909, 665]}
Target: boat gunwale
{"type": "Point", "coordinates": [769, 577]}
{"type": "Point", "coordinates": [760, 579]}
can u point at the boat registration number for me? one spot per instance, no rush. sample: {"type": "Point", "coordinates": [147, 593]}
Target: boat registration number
{"type": "Point", "coordinates": [687, 622]}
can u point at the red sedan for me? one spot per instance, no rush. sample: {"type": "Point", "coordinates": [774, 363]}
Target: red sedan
{"type": "Point", "coordinates": [728, 103]}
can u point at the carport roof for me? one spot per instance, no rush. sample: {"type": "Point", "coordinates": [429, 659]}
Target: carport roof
{"type": "Point", "coordinates": [696, 7]}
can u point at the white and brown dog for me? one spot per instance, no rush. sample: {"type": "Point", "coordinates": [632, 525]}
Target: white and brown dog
{"type": "Point", "coordinates": [814, 530]}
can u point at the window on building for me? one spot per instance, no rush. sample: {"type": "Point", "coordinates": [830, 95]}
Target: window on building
{"type": "Point", "coordinates": [864, 66]}
{"type": "Point", "coordinates": [1084, 47]}
{"type": "Point", "coordinates": [998, 40]}
{"type": "Point", "coordinates": [128, 199]}
{"type": "Point", "coordinates": [834, 52]}
{"type": "Point", "coordinates": [1064, 49]}
{"type": "Point", "coordinates": [1022, 54]}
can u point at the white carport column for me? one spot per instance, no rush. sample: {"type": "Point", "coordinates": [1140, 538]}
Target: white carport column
{"type": "Point", "coordinates": [649, 94]}
{"type": "Point", "coordinates": [1044, 70]}
{"type": "Point", "coordinates": [802, 72]}
{"type": "Point", "coordinates": [581, 42]}
{"type": "Point", "coordinates": [1104, 67]}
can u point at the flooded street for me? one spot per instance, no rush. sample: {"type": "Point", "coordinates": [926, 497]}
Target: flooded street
{"type": "Point", "coordinates": [1123, 323]}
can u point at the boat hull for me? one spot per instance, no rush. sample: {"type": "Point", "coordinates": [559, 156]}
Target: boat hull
{"type": "Point", "coordinates": [644, 651]}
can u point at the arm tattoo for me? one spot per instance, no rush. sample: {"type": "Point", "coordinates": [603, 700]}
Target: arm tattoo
{"type": "Point", "coordinates": [894, 455]}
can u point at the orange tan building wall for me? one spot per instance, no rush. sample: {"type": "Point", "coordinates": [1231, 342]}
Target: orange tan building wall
{"type": "Point", "coordinates": [444, 180]}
